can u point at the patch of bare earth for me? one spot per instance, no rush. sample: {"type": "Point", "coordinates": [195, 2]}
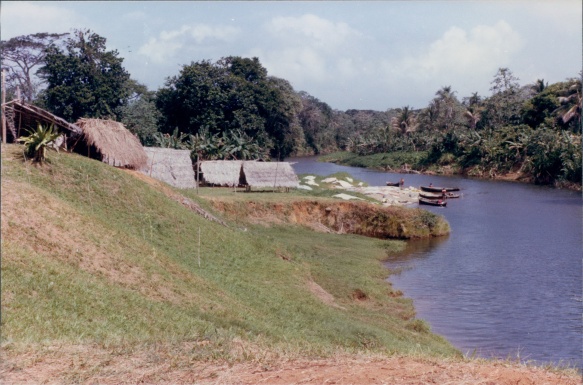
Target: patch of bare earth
{"type": "Point", "coordinates": [360, 218]}
{"type": "Point", "coordinates": [322, 294]}
{"type": "Point", "coordinates": [172, 365]}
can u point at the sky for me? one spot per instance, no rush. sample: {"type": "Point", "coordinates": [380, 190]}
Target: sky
{"type": "Point", "coordinates": [350, 54]}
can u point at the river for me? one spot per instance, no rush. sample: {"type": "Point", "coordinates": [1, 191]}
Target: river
{"type": "Point", "coordinates": [507, 281]}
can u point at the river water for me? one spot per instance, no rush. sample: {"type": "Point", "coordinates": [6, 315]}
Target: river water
{"type": "Point", "coordinates": [507, 281]}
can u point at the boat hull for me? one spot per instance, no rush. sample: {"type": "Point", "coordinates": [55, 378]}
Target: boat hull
{"type": "Point", "coordinates": [432, 202]}
{"type": "Point", "coordinates": [430, 195]}
{"type": "Point", "coordinates": [438, 189]}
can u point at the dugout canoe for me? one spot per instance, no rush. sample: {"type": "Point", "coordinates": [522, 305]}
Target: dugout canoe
{"type": "Point", "coordinates": [438, 189]}
{"type": "Point", "coordinates": [430, 195]}
{"type": "Point", "coordinates": [432, 202]}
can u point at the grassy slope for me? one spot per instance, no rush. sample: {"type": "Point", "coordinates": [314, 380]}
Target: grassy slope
{"type": "Point", "coordinates": [93, 255]}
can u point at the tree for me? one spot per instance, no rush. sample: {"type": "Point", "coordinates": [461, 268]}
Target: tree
{"type": "Point", "coordinates": [570, 110]}
{"type": "Point", "coordinates": [194, 99]}
{"type": "Point", "coordinates": [541, 108]}
{"type": "Point", "coordinates": [405, 122]}
{"type": "Point", "coordinates": [141, 117]}
{"type": "Point", "coordinates": [232, 94]}
{"type": "Point", "coordinates": [504, 106]}
{"type": "Point", "coordinates": [539, 86]}
{"type": "Point", "coordinates": [504, 81]}
{"type": "Point", "coordinates": [444, 112]}
{"type": "Point", "coordinates": [85, 80]}
{"type": "Point", "coordinates": [474, 109]}
{"type": "Point", "coordinates": [22, 56]}
{"type": "Point", "coordinates": [343, 128]}
{"type": "Point", "coordinates": [315, 117]}
{"type": "Point", "coordinates": [282, 106]}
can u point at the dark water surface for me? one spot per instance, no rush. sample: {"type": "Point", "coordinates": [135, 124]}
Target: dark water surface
{"type": "Point", "coordinates": [507, 282]}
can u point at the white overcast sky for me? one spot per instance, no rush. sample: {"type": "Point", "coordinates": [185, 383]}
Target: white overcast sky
{"type": "Point", "coordinates": [349, 54]}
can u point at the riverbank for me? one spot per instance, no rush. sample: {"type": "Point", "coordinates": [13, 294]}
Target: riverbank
{"type": "Point", "coordinates": [114, 260]}
{"type": "Point", "coordinates": [413, 163]}
{"type": "Point", "coordinates": [349, 189]}
{"type": "Point", "coordinates": [130, 283]}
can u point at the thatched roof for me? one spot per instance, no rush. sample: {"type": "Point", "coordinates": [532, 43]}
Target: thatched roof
{"type": "Point", "coordinates": [22, 115]}
{"type": "Point", "coordinates": [114, 144]}
{"type": "Point", "coordinates": [171, 166]}
{"type": "Point", "coordinates": [270, 174]}
{"type": "Point", "coordinates": [221, 172]}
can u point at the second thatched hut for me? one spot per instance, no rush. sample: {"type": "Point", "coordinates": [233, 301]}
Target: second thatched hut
{"type": "Point", "coordinates": [251, 174]}
{"type": "Point", "coordinates": [111, 143]}
{"type": "Point", "coordinates": [224, 173]}
{"type": "Point", "coordinates": [171, 166]}
{"type": "Point", "coordinates": [269, 174]}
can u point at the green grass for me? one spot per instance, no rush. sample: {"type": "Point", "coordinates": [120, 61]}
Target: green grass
{"type": "Point", "coordinates": [92, 254]}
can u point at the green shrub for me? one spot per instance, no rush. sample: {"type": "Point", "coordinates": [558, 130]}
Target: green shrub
{"type": "Point", "coordinates": [36, 143]}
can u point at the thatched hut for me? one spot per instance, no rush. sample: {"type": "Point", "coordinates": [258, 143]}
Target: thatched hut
{"type": "Point", "coordinates": [170, 166]}
{"type": "Point", "coordinates": [110, 142]}
{"type": "Point", "coordinates": [21, 116]}
{"type": "Point", "coordinates": [251, 174]}
{"type": "Point", "coordinates": [269, 174]}
{"type": "Point", "coordinates": [222, 172]}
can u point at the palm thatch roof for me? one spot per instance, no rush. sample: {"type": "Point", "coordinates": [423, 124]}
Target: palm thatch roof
{"type": "Point", "coordinates": [21, 115]}
{"type": "Point", "coordinates": [270, 174]}
{"type": "Point", "coordinates": [112, 143]}
{"type": "Point", "coordinates": [170, 166]}
{"type": "Point", "coordinates": [222, 172]}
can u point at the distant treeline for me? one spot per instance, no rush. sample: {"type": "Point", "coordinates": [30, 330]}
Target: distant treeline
{"type": "Point", "coordinates": [232, 109]}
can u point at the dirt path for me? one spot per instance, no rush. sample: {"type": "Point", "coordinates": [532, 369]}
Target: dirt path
{"type": "Point", "coordinates": [402, 371]}
{"type": "Point", "coordinates": [86, 365]}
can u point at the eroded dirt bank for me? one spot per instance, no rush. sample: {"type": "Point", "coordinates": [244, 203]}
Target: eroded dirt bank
{"type": "Point", "coordinates": [92, 365]}
{"type": "Point", "coordinates": [340, 217]}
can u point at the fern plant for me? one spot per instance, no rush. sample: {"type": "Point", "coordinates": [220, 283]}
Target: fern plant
{"type": "Point", "coordinates": [36, 143]}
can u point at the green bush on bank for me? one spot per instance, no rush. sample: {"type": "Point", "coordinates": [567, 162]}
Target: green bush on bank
{"type": "Point", "coordinates": [382, 161]}
{"type": "Point", "coordinates": [542, 155]}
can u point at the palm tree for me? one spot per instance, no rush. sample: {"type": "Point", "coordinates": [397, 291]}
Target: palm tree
{"type": "Point", "coordinates": [446, 100]}
{"type": "Point", "coordinates": [539, 86]}
{"type": "Point", "coordinates": [473, 117]}
{"type": "Point", "coordinates": [473, 100]}
{"type": "Point", "coordinates": [406, 121]}
{"type": "Point", "coordinates": [571, 104]}
{"type": "Point", "coordinates": [473, 111]}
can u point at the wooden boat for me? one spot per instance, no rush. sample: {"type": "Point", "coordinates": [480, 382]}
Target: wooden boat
{"type": "Point", "coordinates": [432, 202]}
{"type": "Point", "coordinates": [393, 184]}
{"type": "Point", "coordinates": [430, 195]}
{"type": "Point", "coordinates": [438, 189]}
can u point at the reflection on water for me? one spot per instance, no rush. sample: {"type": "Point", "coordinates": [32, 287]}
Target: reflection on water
{"type": "Point", "coordinates": [415, 249]}
{"type": "Point", "coordinates": [507, 282]}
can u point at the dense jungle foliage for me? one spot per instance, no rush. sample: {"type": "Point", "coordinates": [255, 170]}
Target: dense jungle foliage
{"type": "Point", "coordinates": [232, 109]}
{"type": "Point", "coordinates": [533, 130]}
